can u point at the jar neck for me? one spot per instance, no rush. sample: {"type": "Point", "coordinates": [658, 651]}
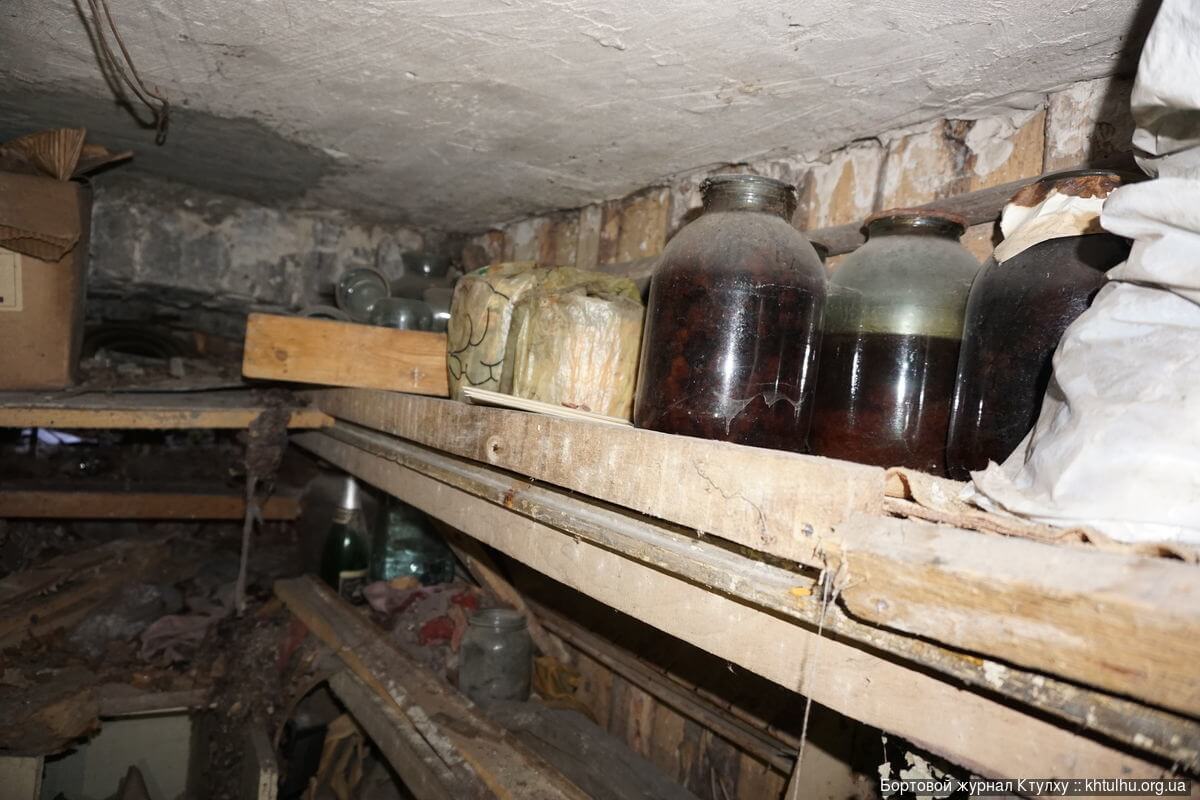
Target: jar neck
{"type": "Point", "coordinates": [749, 193]}
{"type": "Point", "coordinates": [915, 226]}
{"type": "Point", "coordinates": [499, 620]}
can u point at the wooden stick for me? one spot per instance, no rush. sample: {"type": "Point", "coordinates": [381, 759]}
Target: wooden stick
{"type": "Point", "coordinates": [476, 750]}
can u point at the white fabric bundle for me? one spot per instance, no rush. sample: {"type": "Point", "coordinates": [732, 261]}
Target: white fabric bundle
{"type": "Point", "coordinates": [1117, 444]}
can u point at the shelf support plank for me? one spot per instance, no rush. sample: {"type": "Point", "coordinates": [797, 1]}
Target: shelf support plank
{"type": "Point", "coordinates": [776, 502]}
{"type": "Point", "coordinates": [143, 411]}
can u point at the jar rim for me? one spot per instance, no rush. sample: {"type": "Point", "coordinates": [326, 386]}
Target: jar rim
{"type": "Point", "coordinates": [745, 179]}
{"type": "Point", "coordinates": [926, 219]}
{"type": "Point", "coordinates": [508, 619]}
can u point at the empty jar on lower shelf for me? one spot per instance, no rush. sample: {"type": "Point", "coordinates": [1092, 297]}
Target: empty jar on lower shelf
{"type": "Point", "coordinates": [496, 659]}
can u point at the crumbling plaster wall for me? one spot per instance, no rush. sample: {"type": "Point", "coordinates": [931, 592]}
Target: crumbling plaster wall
{"type": "Point", "coordinates": [1086, 123]}
{"type": "Point", "coordinates": [183, 250]}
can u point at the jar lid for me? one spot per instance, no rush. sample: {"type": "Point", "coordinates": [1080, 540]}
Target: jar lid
{"type": "Point", "coordinates": [922, 220]}
{"type": "Point", "coordinates": [504, 619]}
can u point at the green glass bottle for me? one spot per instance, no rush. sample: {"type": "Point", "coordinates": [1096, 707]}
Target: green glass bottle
{"type": "Point", "coordinates": [347, 555]}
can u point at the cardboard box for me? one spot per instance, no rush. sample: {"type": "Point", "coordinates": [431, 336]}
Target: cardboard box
{"type": "Point", "coordinates": [44, 227]}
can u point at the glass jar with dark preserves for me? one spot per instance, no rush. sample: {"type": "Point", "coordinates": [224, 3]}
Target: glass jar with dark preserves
{"type": "Point", "coordinates": [1052, 262]}
{"type": "Point", "coordinates": [730, 344]}
{"type": "Point", "coordinates": [890, 344]}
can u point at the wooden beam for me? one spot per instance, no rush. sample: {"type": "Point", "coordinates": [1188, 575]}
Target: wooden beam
{"type": "Point", "coordinates": [345, 354]}
{"type": "Point", "coordinates": [779, 503]}
{"type": "Point", "coordinates": [1124, 623]}
{"type": "Point", "coordinates": [783, 592]}
{"type": "Point", "coordinates": [77, 504]}
{"type": "Point", "coordinates": [135, 411]}
{"type": "Point", "coordinates": [21, 777]}
{"type": "Point", "coordinates": [970, 729]}
{"type": "Point", "coordinates": [473, 747]}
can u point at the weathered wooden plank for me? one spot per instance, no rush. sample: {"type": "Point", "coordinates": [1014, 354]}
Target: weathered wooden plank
{"type": "Point", "coordinates": [595, 760]}
{"type": "Point", "coordinates": [972, 730]}
{"type": "Point", "coordinates": [784, 592]}
{"type": "Point", "coordinates": [144, 411]}
{"type": "Point", "coordinates": [417, 764]}
{"type": "Point", "coordinates": [77, 504]}
{"type": "Point", "coordinates": [473, 747]}
{"type": "Point", "coordinates": [779, 503]}
{"type": "Point", "coordinates": [20, 777]}
{"type": "Point", "coordinates": [1124, 623]}
{"type": "Point", "coordinates": [345, 354]}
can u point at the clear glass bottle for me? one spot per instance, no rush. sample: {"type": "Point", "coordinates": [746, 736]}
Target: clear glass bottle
{"type": "Point", "coordinates": [405, 544]}
{"type": "Point", "coordinates": [730, 343]}
{"type": "Point", "coordinates": [1018, 310]}
{"type": "Point", "coordinates": [496, 659]}
{"type": "Point", "coordinates": [345, 559]}
{"type": "Point", "coordinates": [890, 343]}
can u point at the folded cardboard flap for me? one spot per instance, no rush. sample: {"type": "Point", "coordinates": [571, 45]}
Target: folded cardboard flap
{"type": "Point", "coordinates": [39, 217]}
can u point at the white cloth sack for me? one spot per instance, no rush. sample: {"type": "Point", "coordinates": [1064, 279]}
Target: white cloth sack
{"type": "Point", "coordinates": [1117, 444]}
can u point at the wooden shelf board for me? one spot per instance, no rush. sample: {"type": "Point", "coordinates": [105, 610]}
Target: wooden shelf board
{"type": "Point", "coordinates": [150, 411]}
{"type": "Point", "coordinates": [983, 734]}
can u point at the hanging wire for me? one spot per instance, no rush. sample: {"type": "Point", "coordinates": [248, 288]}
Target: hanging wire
{"type": "Point", "coordinates": [829, 594]}
{"type": "Point", "coordinates": [124, 68]}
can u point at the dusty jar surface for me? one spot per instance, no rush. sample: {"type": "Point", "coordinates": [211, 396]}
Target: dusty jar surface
{"type": "Point", "coordinates": [730, 345]}
{"type": "Point", "coordinates": [890, 344]}
{"type": "Point", "coordinates": [496, 658]}
{"type": "Point", "coordinates": [1018, 310]}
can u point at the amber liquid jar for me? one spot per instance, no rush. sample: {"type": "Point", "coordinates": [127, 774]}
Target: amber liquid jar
{"type": "Point", "coordinates": [1017, 312]}
{"type": "Point", "coordinates": [891, 339]}
{"type": "Point", "coordinates": [730, 345]}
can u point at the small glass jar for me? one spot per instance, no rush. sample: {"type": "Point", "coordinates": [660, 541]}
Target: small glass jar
{"type": "Point", "coordinates": [496, 659]}
{"type": "Point", "coordinates": [402, 314]}
{"type": "Point", "coordinates": [730, 342]}
{"type": "Point", "coordinates": [1020, 307]}
{"type": "Point", "coordinates": [359, 289]}
{"type": "Point", "coordinates": [890, 343]}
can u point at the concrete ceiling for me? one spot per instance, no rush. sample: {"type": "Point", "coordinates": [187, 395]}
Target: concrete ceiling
{"type": "Point", "coordinates": [459, 114]}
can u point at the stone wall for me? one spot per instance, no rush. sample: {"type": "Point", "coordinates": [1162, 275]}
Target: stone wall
{"type": "Point", "coordinates": [160, 248]}
{"type": "Point", "coordinates": [1086, 123]}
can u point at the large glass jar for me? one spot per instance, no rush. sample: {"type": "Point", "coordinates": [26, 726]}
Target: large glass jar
{"type": "Point", "coordinates": [730, 343]}
{"type": "Point", "coordinates": [890, 344]}
{"type": "Point", "coordinates": [1020, 304]}
{"type": "Point", "coordinates": [496, 659]}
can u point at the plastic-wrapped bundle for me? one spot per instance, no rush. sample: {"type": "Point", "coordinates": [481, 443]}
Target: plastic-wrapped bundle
{"type": "Point", "coordinates": [480, 316]}
{"type": "Point", "coordinates": [574, 342]}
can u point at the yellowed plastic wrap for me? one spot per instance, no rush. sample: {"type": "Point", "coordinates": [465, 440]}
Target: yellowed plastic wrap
{"type": "Point", "coordinates": [574, 342]}
{"type": "Point", "coordinates": [480, 316]}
